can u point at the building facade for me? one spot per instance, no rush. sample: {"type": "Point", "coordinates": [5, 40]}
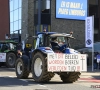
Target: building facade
{"type": "Point", "coordinates": [15, 8]}
{"type": "Point", "coordinates": [37, 16]}
{"type": "Point", "coordinates": [4, 19]}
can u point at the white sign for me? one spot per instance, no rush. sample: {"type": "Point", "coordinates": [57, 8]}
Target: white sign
{"type": "Point", "coordinates": [2, 57]}
{"type": "Point", "coordinates": [66, 62]}
{"type": "Point", "coordinates": [89, 31]}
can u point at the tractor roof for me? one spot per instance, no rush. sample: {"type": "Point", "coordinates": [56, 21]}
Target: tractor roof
{"type": "Point", "coordinates": [46, 33]}
{"type": "Point", "coordinates": [56, 34]}
{"type": "Point", "coordinates": [61, 35]}
{"type": "Point", "coordinates": [8, 41]}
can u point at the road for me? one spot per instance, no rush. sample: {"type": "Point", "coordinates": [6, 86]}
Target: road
{"type": "Point", "coordinates": [8, 81]}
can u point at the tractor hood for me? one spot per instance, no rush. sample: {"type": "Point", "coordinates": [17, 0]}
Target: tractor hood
{"type": "Point", "coordinates": [71, 51]}
{"type": "Point", "coordinates": [46, 49]}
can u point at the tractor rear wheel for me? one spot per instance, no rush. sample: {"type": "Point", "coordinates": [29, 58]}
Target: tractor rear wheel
{"type": "Point", "coordinates": [39, 68]}
{"type": "Point", "coordinates": [70, 77]}
{"type": "Point", "coordinates": [11, 59]}
{"type": "Point", "coordinates": [21, 69]}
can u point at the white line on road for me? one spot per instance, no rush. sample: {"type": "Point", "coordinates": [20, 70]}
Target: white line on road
{"type": "Point", "coordinates": [42, 85]}
{"type": "Point", "coordinates": [23, 80]}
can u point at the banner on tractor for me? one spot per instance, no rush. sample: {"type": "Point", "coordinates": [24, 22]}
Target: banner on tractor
{"type": "Point", "coordinates": [2, 57]}
{"type": "Point", "coordinates": [66, 62]}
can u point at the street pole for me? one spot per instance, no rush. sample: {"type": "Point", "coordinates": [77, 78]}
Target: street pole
{"type": "Point", "coordinates": [93, 43]}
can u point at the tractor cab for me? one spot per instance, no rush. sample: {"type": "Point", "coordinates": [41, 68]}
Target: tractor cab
{"type": "Point", "coordinates": [57, 41]}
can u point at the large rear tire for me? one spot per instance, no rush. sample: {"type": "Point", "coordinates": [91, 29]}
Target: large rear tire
{"type": "Point", "coordinates": [70, 77]}
{"type": "Point", "coordinates": [11, 59]}
{"type": "Point", "coordinates": [21, 69]}
{"type": "Point", "coordinates": [39, 68]}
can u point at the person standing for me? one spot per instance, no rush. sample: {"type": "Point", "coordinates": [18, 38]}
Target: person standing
{"type": "Point", "coordinates": [95, 60]}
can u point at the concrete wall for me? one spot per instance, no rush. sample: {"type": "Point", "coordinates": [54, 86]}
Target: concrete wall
{"type": "Point", "coordinates": [27, 18]}
{"type": "Point", "coordinates": [66, 25]}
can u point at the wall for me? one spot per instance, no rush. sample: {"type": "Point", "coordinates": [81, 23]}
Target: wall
{"type": "Point", "coordinates": [4, 18]}
{"type": "Point", "coordinates": [27, 18]}
{"type": "Point", "coordinates": [66, 25]}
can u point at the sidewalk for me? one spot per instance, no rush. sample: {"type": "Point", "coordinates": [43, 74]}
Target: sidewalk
{"type": "Point", "coordinates": [91, 74]}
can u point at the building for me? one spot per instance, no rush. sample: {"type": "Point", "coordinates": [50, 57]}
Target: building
{"type": "Point", "coordinates": [29, 16]}
{"type": "Point", "coordinates": [31, 23]}
{"type": "Point", "coordinates": [4, 19]}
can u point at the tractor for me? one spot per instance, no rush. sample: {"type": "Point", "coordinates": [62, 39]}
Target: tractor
{"type": "Point", "coordinates": [36, 62]}
{"type": "Point", "coordinates": [8, 53]}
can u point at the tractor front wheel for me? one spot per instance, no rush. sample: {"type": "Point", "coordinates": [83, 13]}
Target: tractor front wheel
{"type": "Point", "coordinates": [39, 68]}
{"type": "Point", "coordinates": [21, 69]}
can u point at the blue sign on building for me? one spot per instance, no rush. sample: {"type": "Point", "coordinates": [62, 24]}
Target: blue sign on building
{"type": "Point", "coordinates": [71, 9]}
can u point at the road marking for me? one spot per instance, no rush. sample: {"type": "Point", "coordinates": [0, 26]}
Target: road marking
{"type": "Point", "coordinates": [23, 80]}
{"type": "Point", "coordinates": [89, 80]}
{"type": "Point", "coordinates": [42, 85]}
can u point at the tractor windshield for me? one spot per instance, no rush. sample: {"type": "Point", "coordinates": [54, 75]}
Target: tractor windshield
{"type": "Point", "coordinates": [7, 46]}
{"type": "Point", "coordinates": [61, 40]}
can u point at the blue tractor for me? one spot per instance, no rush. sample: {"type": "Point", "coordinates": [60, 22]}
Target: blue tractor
{"type": "Point", "coordinates": [36, 61]}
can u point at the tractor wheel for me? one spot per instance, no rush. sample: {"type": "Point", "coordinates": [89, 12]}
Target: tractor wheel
{"type": "Point", "coordinates": [11, 59]}
{"type": "Point", "coordinates": [21, 69]}
{"type": "Point", "coordinates": [39, 68]}
{"type": "Point", "coordinates": [70, 77]}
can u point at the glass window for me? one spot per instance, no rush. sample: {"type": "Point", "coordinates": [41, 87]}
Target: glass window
{"type": "Point", "coordinates": [19, 24]}
{"type": "Point", "coordinates": [15, 25]}
{"type": "Point", "coordinates": [20, 13]}
{"type": "Point", "coordinates": [11, 27]}
{"type": "Point", "coordinates": [20, 3]}
{"type": "Point", "coordinates": [15, 4]}
{"type": "Point", "coordinates": [16, 15]}
{"type": "Point", "coordinates": [11, 5]}
{"type": "Point", "coordinates": [11, 16]}
{"type": "Point", "coordinates": [48, 4]}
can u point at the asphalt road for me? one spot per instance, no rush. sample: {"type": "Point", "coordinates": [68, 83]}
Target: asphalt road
{"type": "Point", "coordinates": [8, 81]}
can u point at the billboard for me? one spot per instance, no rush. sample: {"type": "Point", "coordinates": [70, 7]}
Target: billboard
{"type": "Point", "coordinates": [71, 9]}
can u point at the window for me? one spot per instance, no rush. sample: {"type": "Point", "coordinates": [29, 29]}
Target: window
{"type": "Point", "coordinates": [11, 27]}
{"type": "Point", "coordinates": [20, 3]}
{"type": "Point", "coordinates": [19, 13]}
{"type": "Point", "coordinates": [11, 16]}
{"type": "Point", "coordinates": [11, 5]}
{"type": "Point", "coordinates": [15, 25]}
{"type": "Point", "coordinates": [15, 15]}
{"type": "Point", "coordinates": [19, 24]}
{"type": "Point", "coordinates": [15, 4]}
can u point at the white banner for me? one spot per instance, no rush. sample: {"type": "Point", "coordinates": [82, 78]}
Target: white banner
{"type": "Point", "coordinates": [89, 31]}
{"type": "Point", "coordinates": [2, 57]}
{"type": "Point", "coordinates": [66, 62]}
